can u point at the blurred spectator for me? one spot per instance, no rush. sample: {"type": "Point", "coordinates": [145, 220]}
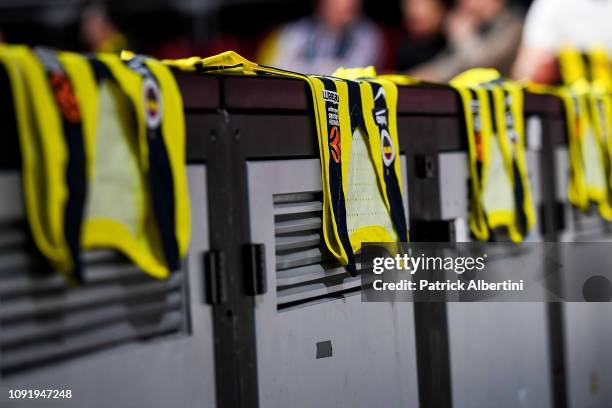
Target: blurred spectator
{"type": "Point", "coordinates": [336, 35]}
{"type": "Point", "coordinates": [552, 24]}
{"type": "Point", "coordinates": [423, 37]}
{"type": "Point", "coordinates": [481, 33]}
{"type": "Point", "coordinates": [98, 31]}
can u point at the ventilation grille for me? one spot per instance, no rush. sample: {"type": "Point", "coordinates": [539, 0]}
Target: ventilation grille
{"type": "Point", "coordinates": [43, 320]}
{"type": "Point", "coordinates": [306, 272]}
{"type": "Point", "coordinates": [590, 225]}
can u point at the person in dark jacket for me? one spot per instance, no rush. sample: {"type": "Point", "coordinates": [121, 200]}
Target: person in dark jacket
{"type": "Point", "coordinates": [480, 33]}
{"type": "Point", "coordinates": [423, 36]}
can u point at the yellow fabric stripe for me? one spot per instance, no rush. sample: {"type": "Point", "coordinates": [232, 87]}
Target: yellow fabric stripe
{"type": "Point", "coordinates": [44, 154]}
{"type": "Point", "coordinates": [174, 138]}
{"type": "Point", "coordinates": [464, 84]}
{"type": "Point", "coordinates": [479, 81]}
{"type": "Point", "coordinates": [106, 233]}
{"type": "Point", "coordinates": [330, 228]}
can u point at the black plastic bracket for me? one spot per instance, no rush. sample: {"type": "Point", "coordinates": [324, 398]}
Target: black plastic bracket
{"type": "Point", "coordinates": [558, 218]}
{"type": "Point", "coordinates": [214, 272]}
{"type": "Point", "coordinates": [255, 269]}
{"type": "Point", "coordinates": [434, 231]}
{"type": "Point", "coordinates": [425, 166]}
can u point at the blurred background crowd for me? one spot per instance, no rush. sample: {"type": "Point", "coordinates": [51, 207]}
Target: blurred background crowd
{"type": "Point", "coordinates": [431, 39]}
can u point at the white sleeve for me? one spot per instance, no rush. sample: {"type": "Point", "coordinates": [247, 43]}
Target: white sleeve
{"type": "Point", "coordinates": [542, 24]}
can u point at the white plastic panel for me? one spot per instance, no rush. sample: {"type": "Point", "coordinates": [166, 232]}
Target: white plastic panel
{"type": "Point", "coordinates": [499, 351]}
{"type": "Point", "coordinates": [588, 330]}
{"type": "Point", "coordinates": [372, 361]}
{"type": "Point", "coordinates": [588, 326]}
{"type": "Point", "coordinates": [454, 176]}
{"type": "Point", "coordinates": [173, 371]}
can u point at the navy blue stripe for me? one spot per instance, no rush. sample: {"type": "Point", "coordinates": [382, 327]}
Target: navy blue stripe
{"type": "Point", "coordinates": [355, 106]}
{"type": "Point", "coordinates": [336, 191]}
{"type": "Point", "coordinates": [77, 188]}
{"type": "Point", "coordinates": [391, 180]}
{"type": "Point", "coordinates": [100, 70]}
{"type": "Point", "coordinates": [76, 183]}
{"type": "Point", "coordinates": [161, 183]}
{"type": "Point", "coordinates": [162, 190]}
